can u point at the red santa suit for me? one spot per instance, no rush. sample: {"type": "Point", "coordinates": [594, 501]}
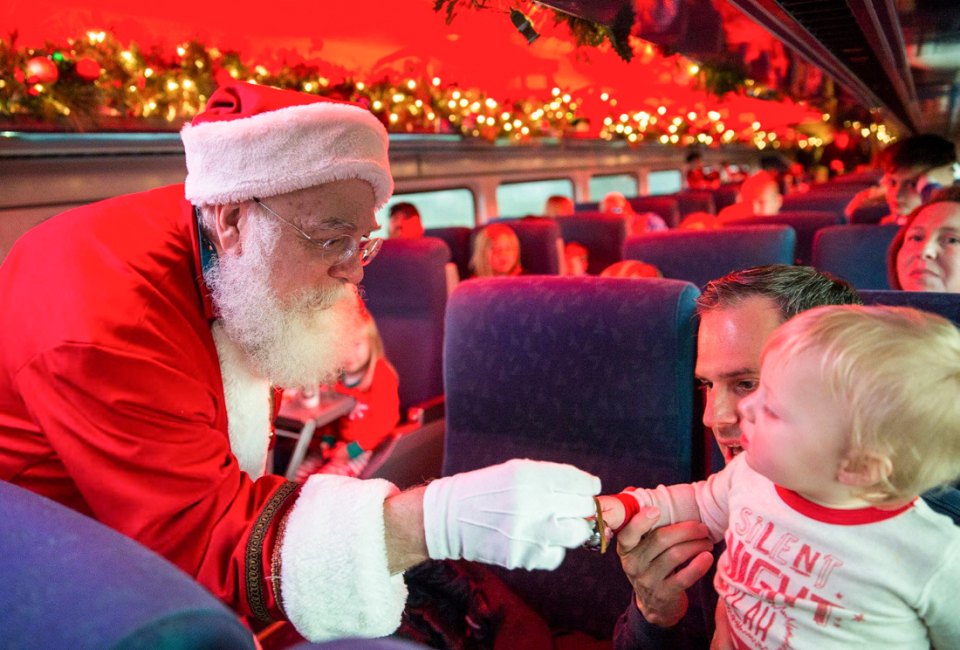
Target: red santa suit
{"type": "Point", "coordinates": [112, 403]}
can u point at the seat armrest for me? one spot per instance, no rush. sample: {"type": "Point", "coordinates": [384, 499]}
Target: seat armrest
{"type": "Point", "coordinates": [426, 411]}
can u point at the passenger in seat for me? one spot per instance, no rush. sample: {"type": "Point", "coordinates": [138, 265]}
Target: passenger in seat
{"type": "Point", "coordinates": [631, 269]}
{"type": "Point", "coordinates": [913, 170]}
{"type": "Point", "coordinates": [671, 568]}
{"type": "Point", "coordinates": [925, 254]}
{"type": "Point", "coordinates": [828, 544]}
{"type": "Point", "coordinates": [637, 222]}
{"type": "Point", "coordinates": [558, 206]}
{"type": "Point", "coordinates": [759, 196]}
{"type": "Point", "coordinates": [496, 252]}
{"type": "Point", "coordinates": [405, 222]}
{"type": "Point", "coordinates": [345, 446]}
{"type": "Point", "coordinates": [576, 259]}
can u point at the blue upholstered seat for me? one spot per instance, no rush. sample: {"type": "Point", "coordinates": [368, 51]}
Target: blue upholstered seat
{"type": "Point", "coordinates": [695, 201]}
{"type": "Point", "coordinates": [944, 304]}
{"type": "Point", "coordinates": [602, 234]}
{"type": "Point", "coordinates": [586, 206]}
{"type": "Point", "coordinates": [406, 292]}
{"type": "Point", "coordinates": [70, 582]}
{"type": "Point", "coordinates": [668, 207]}
{"type": "Point", "coordinates": [856, 253]}
{"type": "Point", "coordinates": [725, 195]}
{"type": "Point", "coordinates": [457, 239]}
{"type": "Point", "coordinates": [833, 200]}
{"type": "Point", "coordinates": [539, 253]}
{"type": "Point", "coordinates": [870, 213]}
{"type": "Point", "coordinates": [804, 223]}
{"type": "Point", "coordinates": [596, 372]}
{"type": "Point", "coordinates": [699, 256]}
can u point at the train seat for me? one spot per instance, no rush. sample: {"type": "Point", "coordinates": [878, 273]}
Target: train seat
{"type": "Point", "coordinates": [870, 213]}
{"type": "Point", "coordinates": [668, 207]}
{"type": "Point", "coordinates": [71, 582]}
{"type": "Point", "coordinates": [690, 201]}
{"type": "Point", "coordinates": [856, 253]}
{"type": "Point", "coordinates": [833, 200]}
{"type": "Point", "coordinates": [406, 292]}
{"type": "Point", "coordinates": [603, 235]}
{"type": "Point", "coordinates": [699, 256]}
{"type": "Point", "coordinates": [596, 372]}
{"type": "Point", "coordinates": [725, 195]}
{"type": "Point", "coordinates": [540, 244]}
{"type": "Point", "coordinates": [457, 239]}
{"type": "Point", "coordinates": [805, 224]}
{"type": "Point", "coordinates": [862, 178]}
{"type": "Point", "coordinates": [586, 206]}
{"type": "Point", "coordinates": [945, 304]}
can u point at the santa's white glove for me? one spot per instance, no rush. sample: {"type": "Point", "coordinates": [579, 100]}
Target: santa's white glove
{"type": "Point", "coordinates": [522, 513]}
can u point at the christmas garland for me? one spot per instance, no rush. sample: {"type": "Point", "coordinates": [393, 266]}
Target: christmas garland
{"type": "Point", "coordinates": [96, 83]}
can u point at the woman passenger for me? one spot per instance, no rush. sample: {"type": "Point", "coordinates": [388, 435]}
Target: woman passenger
{"type": "Point", "coordinates": [925, 254]}
{"type": "Point", "coordinates": [496, 252]}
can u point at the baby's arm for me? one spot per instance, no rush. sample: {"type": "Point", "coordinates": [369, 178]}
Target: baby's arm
{"type": "Point", "coordinates": [617, 510]}
{"type": "Point", "coordinates": [676, 503]}
{"type": "Point", "coordinates": [703, 501]}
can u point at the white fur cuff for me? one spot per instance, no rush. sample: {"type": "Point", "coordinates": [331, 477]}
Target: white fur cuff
{"type": "Point", "coordinates": [335, 581]}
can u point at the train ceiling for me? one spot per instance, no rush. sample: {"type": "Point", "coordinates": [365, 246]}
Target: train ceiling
{"type": "Point", "coordinates": [903, 56]}
{"type": "Point", "coordinates": [914, 82]}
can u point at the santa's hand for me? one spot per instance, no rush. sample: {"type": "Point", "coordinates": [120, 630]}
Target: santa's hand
{"type": "Point", "coordinates": [520, 514]}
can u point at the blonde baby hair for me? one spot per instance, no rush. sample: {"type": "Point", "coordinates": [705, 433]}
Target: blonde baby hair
{"type": "Point", "coordinates": [898, 371]}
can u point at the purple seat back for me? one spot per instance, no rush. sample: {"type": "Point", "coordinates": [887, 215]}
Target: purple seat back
{"type": "Point", "coordinates": [596, 372]}
{"type": "Point", "coordinates": [406, 292]}
{"type": "Point", "coordinates": [699, 256]}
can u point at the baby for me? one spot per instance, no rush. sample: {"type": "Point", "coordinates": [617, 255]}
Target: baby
{"type": "Point", "coordinates": [856, 414]}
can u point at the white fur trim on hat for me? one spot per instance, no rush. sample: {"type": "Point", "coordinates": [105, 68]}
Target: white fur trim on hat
{"type": "Point", "coordinates": [334, 577]}
{"type": "Point", "coordinates": [285, 150]}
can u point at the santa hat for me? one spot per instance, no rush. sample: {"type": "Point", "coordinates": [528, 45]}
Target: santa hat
{"type": "Point", "coordinates": [258, 141]}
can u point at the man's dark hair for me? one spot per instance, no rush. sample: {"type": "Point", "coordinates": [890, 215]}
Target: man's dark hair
{"type": "Point", "coordinates": [793, 288]}
{"type": "Point", "coordinates": [693, 157]}
{"type": "Point", "coordinates": [924, 150]}
{"type": "Point", "coordinates": [404, 210]}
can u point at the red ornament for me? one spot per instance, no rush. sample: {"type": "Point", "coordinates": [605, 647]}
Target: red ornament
{"type": "Point", "coordinates": [41, 70]}
{"type": "Point", "coordinates": [88, 69]}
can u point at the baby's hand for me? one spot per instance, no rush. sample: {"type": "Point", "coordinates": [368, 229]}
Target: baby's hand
{"type": "Point", "coordinates": [614, 514]}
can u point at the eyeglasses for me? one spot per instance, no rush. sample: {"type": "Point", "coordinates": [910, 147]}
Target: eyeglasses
{"type": "Point", "coordinates": [337, 250]}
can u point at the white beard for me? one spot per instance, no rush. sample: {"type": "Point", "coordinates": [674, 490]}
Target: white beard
{"type": "Point", "coordinates": [247, 399]}
{"type": "Point", "coordinates": [297, 345]}
{"type": "Point", "coordinates": [261, 342]}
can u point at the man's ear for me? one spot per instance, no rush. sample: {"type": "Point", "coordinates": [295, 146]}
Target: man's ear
{"type": "Point", "coordinates": [227, 228]}
{"type": "Point", "coordinates": [864, 468]}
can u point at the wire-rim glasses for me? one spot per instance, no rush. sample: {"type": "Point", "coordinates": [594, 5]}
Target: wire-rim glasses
{"type": "Point", "coordinates": [340, 249]}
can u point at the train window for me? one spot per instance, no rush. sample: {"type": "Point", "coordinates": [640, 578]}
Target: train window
{"type": "Point", "coordinates": [438, 209]}
{"type": "Point", "coordinates": [600, 186]}
{"type": "Point", "coordinates": [664, 181]}
{"type": "Point", "coordinates": [529, 197]}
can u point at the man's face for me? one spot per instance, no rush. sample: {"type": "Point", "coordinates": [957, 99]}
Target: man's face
{"type": "Point", "coordinates": [903, 189]}
{"type": "Point", "coordinates": [768, 202]}
{"type": "Point", "coordinates": [298, 266]}
{"type": "Point", "coordinates": [402, 226]}
{"type": "Point", "coordinates": [282, 300]}
{"type": "Point", "coordinates": [729, 344]}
